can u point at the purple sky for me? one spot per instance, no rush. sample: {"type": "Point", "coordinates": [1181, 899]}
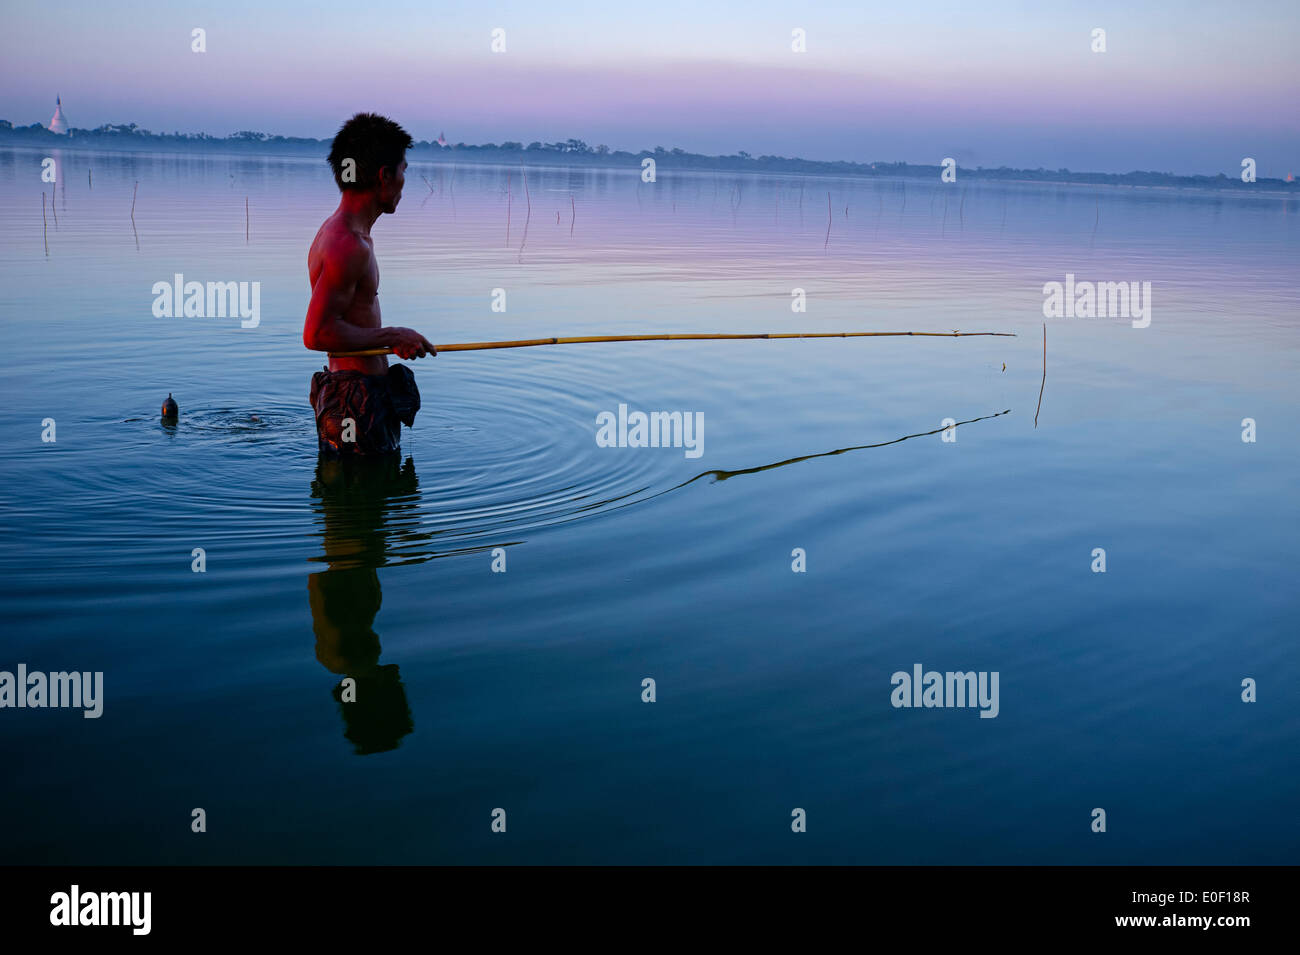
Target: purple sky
{"type": "Point", "coordinates": [1182, 87]}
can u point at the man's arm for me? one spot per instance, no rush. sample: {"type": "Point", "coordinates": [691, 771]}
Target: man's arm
{"type": "Point", "coordinates": [325, 328]}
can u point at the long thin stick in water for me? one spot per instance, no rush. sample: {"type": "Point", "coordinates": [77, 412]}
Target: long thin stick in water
{"type": "Point", "coordinates": [529, 342]}
{"type": "Point", "coordinates": [719, 475]}
{"type": "Point", "coordinates": [245, 220]}
{"type": "Point", "coordinates": [45, 226]}
{"type": "Point", "coordinates": [529, 217]}
{"type": "Point", "coordinates": [1044, 384]}
{"type": "Point", "coordinates": [827, 243]}
{"type": "Point", "coordinates": [574, 208]}
{"type": "Point", "coordinates": [133, 230]}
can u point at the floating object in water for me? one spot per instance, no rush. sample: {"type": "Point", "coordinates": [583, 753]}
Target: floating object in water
{"type": "Point", "coordinates": [529, 342]}
{"type": "Point", "coordinates": [169, 409]}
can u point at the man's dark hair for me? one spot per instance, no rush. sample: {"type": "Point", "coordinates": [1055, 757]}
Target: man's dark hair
{"type": "Point", "coordinates": [372, 142]}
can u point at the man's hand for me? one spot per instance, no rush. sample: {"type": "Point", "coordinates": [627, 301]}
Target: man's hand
{"type": "Point", "coordinates": [408, 343]}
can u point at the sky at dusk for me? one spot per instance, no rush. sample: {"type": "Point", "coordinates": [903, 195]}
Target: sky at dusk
{"type": "Point", "coordinates": [1186, 87]}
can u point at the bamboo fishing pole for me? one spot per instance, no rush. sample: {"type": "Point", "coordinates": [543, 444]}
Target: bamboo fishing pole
{"type": "Point", "coordinates": [529, 342]}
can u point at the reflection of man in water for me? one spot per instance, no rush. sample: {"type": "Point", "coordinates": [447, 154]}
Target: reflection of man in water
{"type": "Point", "coordinates": [356, 497]}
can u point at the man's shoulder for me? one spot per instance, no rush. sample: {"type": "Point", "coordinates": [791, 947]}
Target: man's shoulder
{"type": "Point", "coordinates": [336, 232]}
{"type": "Point", "coordinates": [339, 244]}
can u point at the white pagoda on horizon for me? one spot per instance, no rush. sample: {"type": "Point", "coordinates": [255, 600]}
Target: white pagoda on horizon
{"type": "Point", "coordinates": [58, 124]}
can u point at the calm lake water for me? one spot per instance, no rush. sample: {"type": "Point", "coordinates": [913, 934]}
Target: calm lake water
{"type": "Point", "coordinates": [522, 690]}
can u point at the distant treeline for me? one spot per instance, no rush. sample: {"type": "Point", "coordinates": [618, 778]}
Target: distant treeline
{"type": "Point", "coordinates": [576, 152]}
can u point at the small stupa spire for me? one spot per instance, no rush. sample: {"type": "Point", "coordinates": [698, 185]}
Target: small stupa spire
{"type": "Point", "coordinates": [58, 123]}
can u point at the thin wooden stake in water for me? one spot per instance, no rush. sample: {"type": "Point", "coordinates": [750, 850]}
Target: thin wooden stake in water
{"type": "Point", "coordinates": [528, 219]}
{"type": "Point", "coordinates": [133, 231]}
{"type": "Point", "coordinates": [530, 342]}
{"type": "Point", "coordinates": [1044, 384]}
{"type": "Point", "coordinates": [45, 226]}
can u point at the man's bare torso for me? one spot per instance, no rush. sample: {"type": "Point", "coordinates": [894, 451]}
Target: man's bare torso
{"type": "Point", "coordinates": [336, 240]}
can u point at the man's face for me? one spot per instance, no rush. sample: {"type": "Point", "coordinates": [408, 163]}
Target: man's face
{"type": "Point", "coordinates": [390, 186]}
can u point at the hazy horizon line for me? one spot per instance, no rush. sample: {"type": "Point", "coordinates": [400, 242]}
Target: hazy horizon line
{"type": "Point", "coordinates": [242, 139]}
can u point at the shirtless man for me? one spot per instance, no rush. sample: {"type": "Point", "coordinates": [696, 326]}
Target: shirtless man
{"type": "Point", "coordinates": [360, 403]}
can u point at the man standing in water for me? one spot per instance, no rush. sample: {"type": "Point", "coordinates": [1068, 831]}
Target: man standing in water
{"type": "Point", "coordinates": [360, 403]}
